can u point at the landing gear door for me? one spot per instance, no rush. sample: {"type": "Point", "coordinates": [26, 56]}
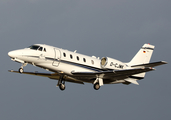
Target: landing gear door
{"type": "Point", "coordinates": [57, 57]}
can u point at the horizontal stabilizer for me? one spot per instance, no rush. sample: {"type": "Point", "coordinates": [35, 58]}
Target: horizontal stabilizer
{"type": "Point", "coordinates": [150, 64]}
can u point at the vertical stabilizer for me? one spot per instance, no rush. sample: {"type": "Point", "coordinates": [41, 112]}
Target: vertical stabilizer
{"type": "Point", "coordinates": [143, 56]}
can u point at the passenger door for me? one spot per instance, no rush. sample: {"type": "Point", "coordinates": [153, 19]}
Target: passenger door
{"type": "Point", "coordinates": [57, 57]}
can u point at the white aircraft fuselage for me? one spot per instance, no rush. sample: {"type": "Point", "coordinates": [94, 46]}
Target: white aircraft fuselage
{"type": "Point", "coordinates": [78, 68]}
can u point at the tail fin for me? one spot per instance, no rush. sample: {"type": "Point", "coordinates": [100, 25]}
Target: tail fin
{"type": "Point", "coordinates": [143, 56]}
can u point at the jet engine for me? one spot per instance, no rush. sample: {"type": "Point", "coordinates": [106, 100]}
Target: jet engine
{"type": "Point", "coordinates": [110, 63]}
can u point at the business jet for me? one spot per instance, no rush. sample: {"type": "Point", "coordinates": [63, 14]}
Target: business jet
{"type": "Point", "coordinates": [68, 66]}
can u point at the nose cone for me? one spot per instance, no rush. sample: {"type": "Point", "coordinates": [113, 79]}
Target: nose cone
{"type": "Point", "coordinates": [13, 54]}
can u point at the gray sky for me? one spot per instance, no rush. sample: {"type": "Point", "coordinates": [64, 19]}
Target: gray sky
{"type": "Point", "coordinates": [113, 28]}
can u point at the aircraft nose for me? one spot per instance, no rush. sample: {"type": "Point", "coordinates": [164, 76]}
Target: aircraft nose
{"type": "Point", "coordinates": [12, 54]}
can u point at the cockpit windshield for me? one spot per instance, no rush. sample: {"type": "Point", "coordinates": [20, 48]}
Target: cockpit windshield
{"type": "Point", "coordinates": [34, 47]}
{"type": "Point", "coordinates": [37, 47]}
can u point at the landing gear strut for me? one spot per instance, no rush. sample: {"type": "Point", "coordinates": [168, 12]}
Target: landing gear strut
{"type": "Point", "coordinates": [61, 83]}
{"type": "Point", "coordinates": [21, 70]}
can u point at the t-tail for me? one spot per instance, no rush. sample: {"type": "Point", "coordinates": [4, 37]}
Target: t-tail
{"type": "Point", "coordinates": [143, 56]}
{"type": "Point", "coordinates": [141, 60]}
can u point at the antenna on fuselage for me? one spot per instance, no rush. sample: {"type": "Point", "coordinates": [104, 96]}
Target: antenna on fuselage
{"type": "Point", "coordinates": [75, 51]}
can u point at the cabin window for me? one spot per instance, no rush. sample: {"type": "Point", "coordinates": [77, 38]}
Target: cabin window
{"type": "Point", "coordinates": [84, 59]}
{"type": "Point", "coordinates": [71, 56]}
{"type": "Point", "coordinates": [92, 62]}
{"type": "Point", "coordinates": [77, 58]}
{"type": "Point", "coordinates": [64, 54]}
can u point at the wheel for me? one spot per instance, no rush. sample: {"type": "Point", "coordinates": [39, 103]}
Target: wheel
{"type": "Point", "coordinates": [62, 86]}
{"type": "Point", "coordinates": [21, 70]}
{"type": "Point", "coordinates": [96, 86]}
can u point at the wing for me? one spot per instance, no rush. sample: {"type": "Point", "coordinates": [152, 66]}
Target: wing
{"type": "Point", "coordinates": [111, 76]}
{"type": "Point", "coordinates": [90, 77]}
{"type": "Point", "coordinates": [54, 76]}
{"type": "Point", "coordinates": [151, 64]}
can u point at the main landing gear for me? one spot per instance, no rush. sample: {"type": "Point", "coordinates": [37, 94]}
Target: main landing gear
{"type": "Point", "coordinates": [98, 82]}
{"type": "Point", "coordinates": [21, 70]}
{"type": "Point", "coordinates": [96, 86]}
{"type": "Point", "coordinates": [62, 86]}
{"type": "Point", "coordinates": [61, 83]}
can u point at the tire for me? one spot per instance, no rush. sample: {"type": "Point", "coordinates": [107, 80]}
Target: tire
{"type": "Point", "coordinates": [62, 87]}
{"type": "Point", "coordinates": [96, 86]}
{"type": "Point", "coordinates": [21, 70]}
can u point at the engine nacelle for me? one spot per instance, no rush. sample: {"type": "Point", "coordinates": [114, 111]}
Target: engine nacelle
{"type": "Point", "coordinates": [110, 63]}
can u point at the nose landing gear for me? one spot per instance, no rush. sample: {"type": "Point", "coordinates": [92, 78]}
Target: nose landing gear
{"type": "Point", "coordinates": [21, 70]}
